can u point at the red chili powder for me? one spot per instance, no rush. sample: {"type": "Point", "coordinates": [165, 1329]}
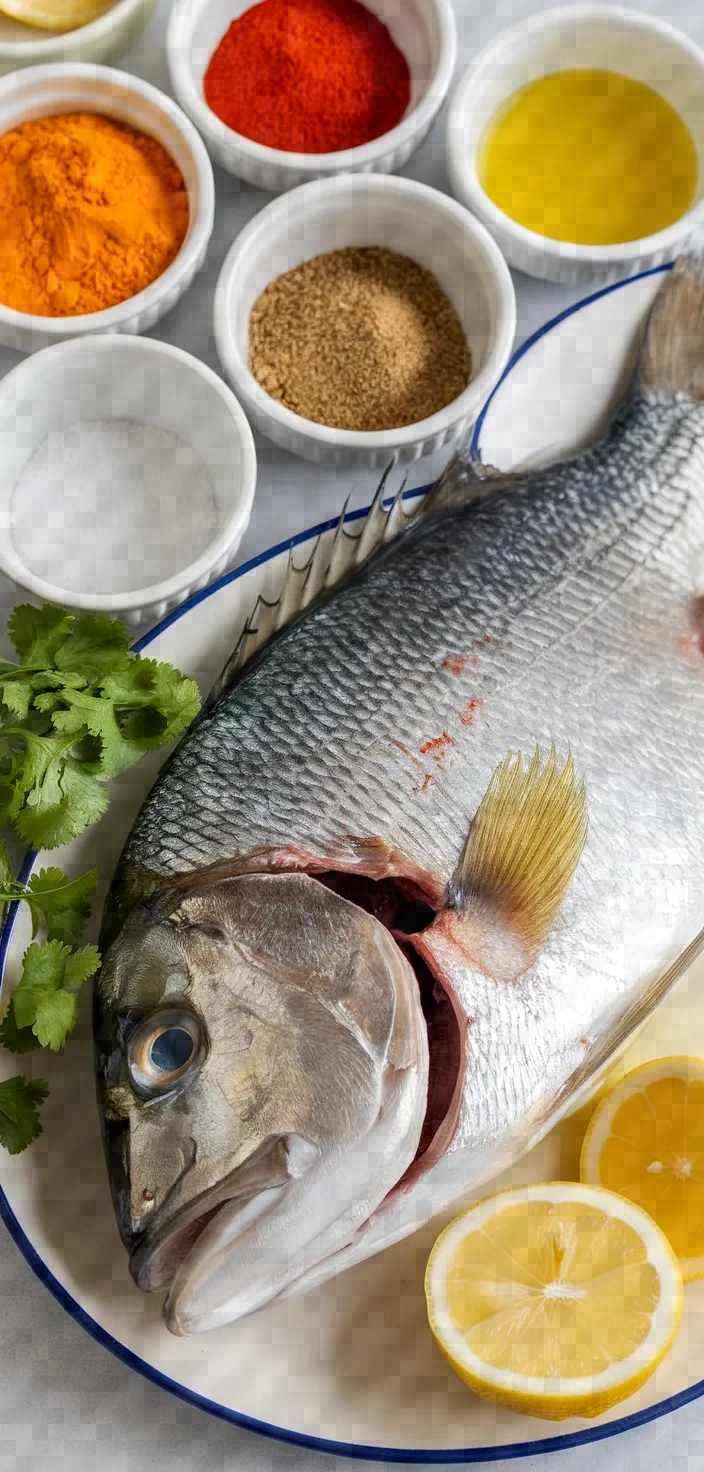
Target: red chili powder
{"type": "Point", "coordinates": [308, 76]}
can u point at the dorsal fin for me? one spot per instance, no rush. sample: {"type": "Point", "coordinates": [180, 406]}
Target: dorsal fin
{"type": "Point", "coordinates": [464, 479]}
{"type": "Point", "coordinates": [327, 566]}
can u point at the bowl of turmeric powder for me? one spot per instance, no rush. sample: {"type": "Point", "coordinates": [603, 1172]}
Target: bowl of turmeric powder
{"type": "Point", "coordinates": [107, 202]}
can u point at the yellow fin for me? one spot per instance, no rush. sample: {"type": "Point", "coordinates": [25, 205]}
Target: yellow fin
{"type": "Point", "coordinates": [524, 844]}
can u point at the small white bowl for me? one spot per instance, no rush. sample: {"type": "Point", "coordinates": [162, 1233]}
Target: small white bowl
{"type": "Point", "coordinates": [425, 32]}
{"type": "Point", "coordinates": [101, 39]}
{"type": "Point", "coordinates": [88, 553]}
{"type": "Point", "coordinates": [40, 91]}
{"type": "Point", "coordinates": [363, 210]}
{"type": "Point", "coordinates": [610, 38]}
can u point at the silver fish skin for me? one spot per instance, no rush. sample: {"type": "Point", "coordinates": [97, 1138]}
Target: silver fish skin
{"type": "Point", "coordinates": [559, 607]}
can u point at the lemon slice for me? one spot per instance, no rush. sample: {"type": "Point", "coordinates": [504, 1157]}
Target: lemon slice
{"type": "Point", "coordinates": [556, 1300]}
{"type": "Point", "coordinates": [55, 15]}
{"type": "Point", "coordinates": [646, 1141]}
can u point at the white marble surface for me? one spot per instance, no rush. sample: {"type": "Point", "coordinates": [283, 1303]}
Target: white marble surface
{"type": "Point", "coordinates": [65, 1402]}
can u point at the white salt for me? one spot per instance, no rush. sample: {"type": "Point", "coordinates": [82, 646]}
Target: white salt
{"type": "Point", "coordinates": [112, 506]}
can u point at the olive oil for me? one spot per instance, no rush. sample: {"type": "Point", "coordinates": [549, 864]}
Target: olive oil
{"type": "Point", "coordinates": [590, 157]}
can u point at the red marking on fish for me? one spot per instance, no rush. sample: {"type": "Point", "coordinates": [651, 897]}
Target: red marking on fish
{"type": "Point", "coordinates": [436, 744]}
{"type": "Point", "coordinates": [470, 710]}
{"type": "Point", "coordinates": [457, 663]}
{"type": "Point", "coordinates": [400, 746]}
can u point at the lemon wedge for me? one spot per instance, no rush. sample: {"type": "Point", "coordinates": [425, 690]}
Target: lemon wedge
{"type": "Point", "coordinates": [55, 15]}
{"type": "Point", "coordinates": [556, 1300]}
{"type": "Point", "coordinates": [646, 1141]}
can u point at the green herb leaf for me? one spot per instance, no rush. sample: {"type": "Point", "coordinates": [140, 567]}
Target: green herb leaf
{"type": "Point", "coordinates": [51, 974]}
{"type": "Point", "coordinates": [17, 1039]}
{"type": "Point", "coordinates": [64, 801]}
{"type": "Point", "coordinates": [96, 645]}
{"type": "Point", "coordinates": [37, 633]}
{"type": "Point", "coordinates": [153, 700]}
{"type": "Point", "coordinates": [43, 972]}
{"type": "Point", "coordinates": [56, 1018]}
{"type": "Point", "coordinates": [59, 904]}
{"type": "Point", "coordinates": [6, 874]}
{"type": "Point", "coordinates": [19, 1112]}
{"type": "Point", "coordinates": [81, 965]}
{"type": "Point", "coordinates": [16, 696]}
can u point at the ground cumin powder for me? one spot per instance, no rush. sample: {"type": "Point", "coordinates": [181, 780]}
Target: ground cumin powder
{"type": "Point", "coordinates": [362, 339]}
{"type": "Point", "coordinates": [91, 212]}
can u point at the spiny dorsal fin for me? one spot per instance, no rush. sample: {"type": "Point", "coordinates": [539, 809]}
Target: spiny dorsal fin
{"type": "Point", "coordinates": [524, 845]}
{"type": "Point", "coordinates": [326, 567]}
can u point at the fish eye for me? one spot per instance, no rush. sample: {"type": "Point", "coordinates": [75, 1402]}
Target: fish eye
{"type": "Point", "coordinates": [163, 1050]}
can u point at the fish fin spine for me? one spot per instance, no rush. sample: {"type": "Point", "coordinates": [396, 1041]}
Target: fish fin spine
{"type": "Point", "coordinates": [524, 846]}
{"type": "Point", "coordinates": [327, 566]}
{"type": "Point", "coordinates": [672, 358]}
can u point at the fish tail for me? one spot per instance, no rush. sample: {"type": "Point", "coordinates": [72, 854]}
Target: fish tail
{"type": "Point", "coordinates": [672, 360]}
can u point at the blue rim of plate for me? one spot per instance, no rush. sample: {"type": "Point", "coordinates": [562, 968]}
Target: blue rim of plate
{"type": "Point", "coordinates": [427, 1456]}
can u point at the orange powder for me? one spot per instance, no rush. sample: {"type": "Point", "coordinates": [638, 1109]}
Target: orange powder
{"type": "Point", "coordinates": [91, 212]}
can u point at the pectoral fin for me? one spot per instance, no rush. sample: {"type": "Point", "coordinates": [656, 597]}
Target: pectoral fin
{"type": "Point", "coordinates": [521, 854]}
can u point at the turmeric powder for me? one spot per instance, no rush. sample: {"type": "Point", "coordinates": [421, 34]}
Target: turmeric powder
{"type": "Point", "coordinates": [91, 212]}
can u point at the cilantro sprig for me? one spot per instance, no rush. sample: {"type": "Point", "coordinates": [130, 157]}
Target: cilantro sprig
{"type": "Point", "coordinates": [76, 710]}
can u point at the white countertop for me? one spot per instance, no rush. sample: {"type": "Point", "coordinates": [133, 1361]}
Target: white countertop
{"type": "Point", "coordinates": [65, 1402]}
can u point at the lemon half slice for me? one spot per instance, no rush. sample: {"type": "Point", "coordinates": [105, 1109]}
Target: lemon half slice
{"type": "Point", "coordinates": [646, 1141]}
{"type": "Point", "coordinates": [55, 15]}
{"type": "Point", "coordinates": [556, 1300]}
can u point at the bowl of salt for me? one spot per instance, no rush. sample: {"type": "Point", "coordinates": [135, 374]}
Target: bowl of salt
{"type": "Point", "coordinates": [127, 475]}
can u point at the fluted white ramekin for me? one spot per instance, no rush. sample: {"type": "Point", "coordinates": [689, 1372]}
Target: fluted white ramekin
{"type": "Point", "coordinates": [101, 39]}
{"type": "Point", "coordinates": [363, 210]}
{"type": "Point", "coordinates": [599, 36]}
{"type": "Point", "coordinates": [120, 377]}
{"type": "Point", "coordinates": [425, 32]}
{"type": "Point", "coordinates": [37, 92]}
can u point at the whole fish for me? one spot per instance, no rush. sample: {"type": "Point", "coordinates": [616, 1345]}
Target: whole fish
{"type": "Point", "coordinates": [431, 852]}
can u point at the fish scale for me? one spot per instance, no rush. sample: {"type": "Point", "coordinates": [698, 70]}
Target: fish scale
{"type": "Point", "coordinates": [553, 609]}
{"type": "Point", "coordinates": [329, 695]}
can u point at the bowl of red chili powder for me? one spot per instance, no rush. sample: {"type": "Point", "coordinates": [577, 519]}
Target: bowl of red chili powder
{"type": "Point", "coordinates": [287, 91]}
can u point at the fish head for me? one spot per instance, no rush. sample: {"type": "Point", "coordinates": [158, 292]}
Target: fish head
{"type": "Point", "coordinates": [245, 1035]}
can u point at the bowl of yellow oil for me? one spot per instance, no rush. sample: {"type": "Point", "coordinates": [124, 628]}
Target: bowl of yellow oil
{"type": "Point", "coordinates": [577, 137]}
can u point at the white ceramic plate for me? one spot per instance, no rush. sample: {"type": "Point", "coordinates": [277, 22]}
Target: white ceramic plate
{"type": "Point", "coordinates": [352, 1367]}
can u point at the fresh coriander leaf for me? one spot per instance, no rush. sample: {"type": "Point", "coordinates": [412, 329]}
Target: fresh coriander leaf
{"type": "Point", "coordinates": [154, 701]}
{"type": "Point", "coordinates": [50, 973]}
{"type": "Point", "coordinates": [80, 965]}
{"type": "Point", "coordinates": [64, 802]}
{"type": "Point", "coordinates": [83, 712]}
{"type": "Point", "coordinates": [19, 1112]}
{"type": "Point", "coordinates": [43, 972]}
{"type": "Point", "coordinates": [59, 904]}
{"type": "Point", "coordinates": [16, 696]}
{"type": "Point", "coordinates": [6, 874]}
{"type": "Point", "coordinates": [96, 645]}
{"type": "Point", "coordinates": [17, 1039]}
{"type": "Point", "coordinates": [56, 1018]}
{"type": "Point", "coordinates": [37, 633]}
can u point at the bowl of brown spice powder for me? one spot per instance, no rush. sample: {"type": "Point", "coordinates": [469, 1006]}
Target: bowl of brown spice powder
{"type": "Point", "coordinates": [363, 318]}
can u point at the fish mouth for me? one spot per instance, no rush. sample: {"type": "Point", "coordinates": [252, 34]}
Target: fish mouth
{"type": "Point", "coordinates": [163, 1248]}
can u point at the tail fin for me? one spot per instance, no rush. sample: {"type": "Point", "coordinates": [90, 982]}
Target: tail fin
{"type": "Point", "coordinates": [672, 361]}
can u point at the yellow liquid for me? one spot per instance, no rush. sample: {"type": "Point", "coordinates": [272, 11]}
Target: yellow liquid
{"type": "Point", "coordinates": [589, 156]}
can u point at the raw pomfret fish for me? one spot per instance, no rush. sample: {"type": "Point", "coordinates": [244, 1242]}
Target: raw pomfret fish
{"type": "Point", "coordinates": [430, 854]}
